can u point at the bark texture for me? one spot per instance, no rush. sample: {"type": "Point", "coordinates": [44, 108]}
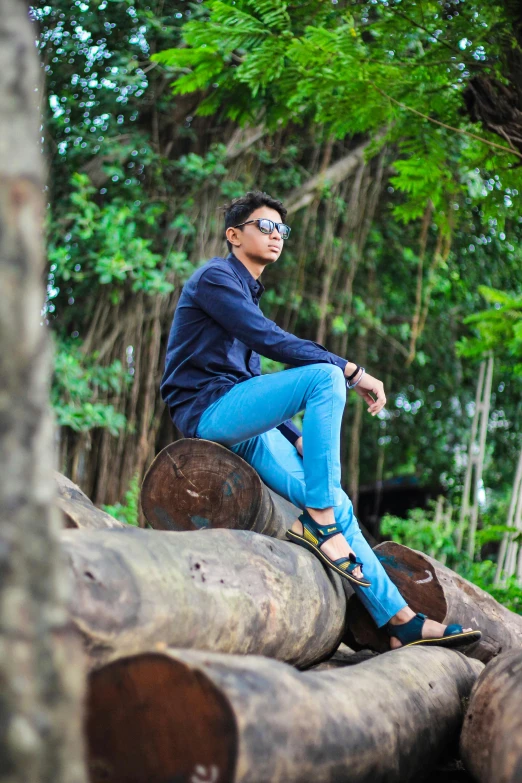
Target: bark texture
{"type": "Point", "coordinates": [78, 511]}
{"type": "Point", "coordinates": [491, 741]}
{"type": "Point", "coordinates": [231, 719]}
{"type": "Point", "coordinates": [196, 484]}
{"type": "Point", "coordinates": [40, 661]}
{"type": "Point", "coordinates": [222, 590]}
{"type": "Point", "coordinates": [432, 588]}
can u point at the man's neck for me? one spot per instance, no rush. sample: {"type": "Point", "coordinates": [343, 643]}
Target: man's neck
{"type": "Point", "coordinates": [253, 267]}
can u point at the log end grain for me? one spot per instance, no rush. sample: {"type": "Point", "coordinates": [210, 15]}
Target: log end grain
{"type": "Point", "coordinates": [196, 484]}
{"type": "Point", "coordinates": [155, 719]}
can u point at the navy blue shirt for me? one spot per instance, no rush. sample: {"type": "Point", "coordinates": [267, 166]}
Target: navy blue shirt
{"type": "Point", "coordinates": [216, 337]}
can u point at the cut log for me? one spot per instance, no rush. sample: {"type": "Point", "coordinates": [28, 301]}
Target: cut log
{"type": "Point", "coordinates": [194, 717]}
{"type": "Point", "coordinates": [196, 484]}
{"type": "Point", "coordinates": [78, 511]}
{"type": "Point", "coordinates": [432, 588]}
{"type": "Point", "coordinates": [491, 741]}
{"type": "Point", "coordinates": [222, 590]}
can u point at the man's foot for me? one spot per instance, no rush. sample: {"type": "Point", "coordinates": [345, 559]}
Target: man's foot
{"type": "Point", "coordinates": [430, 630]}
{"type": "Point", "coordinates": [336, 547]}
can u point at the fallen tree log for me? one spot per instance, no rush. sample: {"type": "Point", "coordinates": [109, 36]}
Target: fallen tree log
{"type": "Point", "coordinates": [491, 741]}
{"type": "Point", "coordinates": [222, 590]}
{"type": "Point", "coordinates": [196, 484]}
{"type": "Point", "coordinates": [78, 511]}
{"type": "Point", "coordinates": [432, 588]}
{"type": "Point", "coordinates": [236, 719]}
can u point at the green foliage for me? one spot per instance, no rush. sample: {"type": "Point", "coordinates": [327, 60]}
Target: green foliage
{"type": "Point", "coordinates": [77, 381]}
{"type": "Point", "coordinates": [129, 510]}
{"type": "Point", "coordinates": [397, 73]}
{"type": "Point", "coordinates": [106, 244]}
{"type": "Point", "coordinates": [208, 169]}
{"type": "Point", "coordinates": [420, 531]}
{"type": "Point", "coordinates": [438, 539]}
{"type": "Point", "coordinates": [108, 217]}
{"type": "Point", "coordinates": [270, 365]}
{"type": "Point", "coordinates": [499, 329]}
{"type": "Point", "coordinates": [483, 574]}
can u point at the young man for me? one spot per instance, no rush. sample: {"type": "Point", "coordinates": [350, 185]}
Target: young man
{"type": "Point", "coordinates": [214, 389]}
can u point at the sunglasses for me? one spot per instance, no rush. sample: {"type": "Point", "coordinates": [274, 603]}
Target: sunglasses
{"type": "Point", "coordinates": [267, 226]}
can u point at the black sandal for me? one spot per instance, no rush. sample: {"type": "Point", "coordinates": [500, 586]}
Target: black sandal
{"type": "Point", "coordinates": [313, 538]}
{"type": "Point", "coordinates": [410, 633]}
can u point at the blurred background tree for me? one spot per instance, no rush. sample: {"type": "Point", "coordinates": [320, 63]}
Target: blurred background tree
{"type": "Point", "coordinates": [393, 132]}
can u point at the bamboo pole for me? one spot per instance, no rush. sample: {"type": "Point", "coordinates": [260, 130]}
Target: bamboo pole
{"type": "Point", "coordinates": [516, 499]}
{"type": "Point", "coordinates": [513, 546]}
{"type": "Point", "coordinates": [465, 504]}
{"type": "Point", "coordinates": [477, 448]}
{"type": "Point", "coordinates": [485, 406]}
{"type": "Point", "coordinates": [447, 517]}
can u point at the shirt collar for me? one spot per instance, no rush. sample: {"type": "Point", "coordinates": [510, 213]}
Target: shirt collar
{"type": "Point", "coordinates": [255, 286]}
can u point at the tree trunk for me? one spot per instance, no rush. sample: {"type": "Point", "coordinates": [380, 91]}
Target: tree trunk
{"type": "Point", "coordinates": [491, 741]}
{"type": "Point", "coordinates": [221, 590]}
{"type": "Point", "coordinates": [232, 719]}
{"type": "Point", "coordinates": [40, 663]}
{"type": "Point", "coordinates": [195, 484]}
{"type": "Point", "coordinates": [77, 509]}
{"type": "Point", "coordinates": [432, 588]}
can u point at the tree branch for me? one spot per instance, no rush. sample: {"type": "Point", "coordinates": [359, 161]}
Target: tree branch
{"type": "Point", "coordinates": [332, 175]}
{"type": "Point", "coordinates": [448, 127]}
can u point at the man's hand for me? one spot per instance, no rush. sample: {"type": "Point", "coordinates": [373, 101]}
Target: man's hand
{"type": "Point", "coordinates": [299, 445]}
{"type": "Point", "coordinates": [372, 392]}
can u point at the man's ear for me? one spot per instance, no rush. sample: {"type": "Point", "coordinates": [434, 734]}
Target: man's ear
{"type": "Point", "coordinates": [233, 236]}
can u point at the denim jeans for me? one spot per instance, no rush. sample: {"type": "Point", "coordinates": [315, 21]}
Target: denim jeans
{"type": "Point", "coordinates": [245, 420]}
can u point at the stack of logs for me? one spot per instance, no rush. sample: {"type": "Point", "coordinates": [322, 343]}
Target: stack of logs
{"type": "Point", "coordinates": [221, 657]}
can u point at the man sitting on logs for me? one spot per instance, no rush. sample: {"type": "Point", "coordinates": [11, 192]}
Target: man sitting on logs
{"type": "Point", "coordinates": [214, 389]}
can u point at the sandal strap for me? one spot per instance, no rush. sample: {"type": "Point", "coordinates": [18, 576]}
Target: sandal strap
{"type": "Point", "coordinates": [317, 534]}
{"type": "Point", "coordinates": [451, 630]}
{"type": "Point", "coordinates": [410, 631]}
{"type": "Point", "coordinates": [349, 563]}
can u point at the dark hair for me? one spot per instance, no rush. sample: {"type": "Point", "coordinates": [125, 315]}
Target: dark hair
{"type": "Point", "coordinates": [241, 208]}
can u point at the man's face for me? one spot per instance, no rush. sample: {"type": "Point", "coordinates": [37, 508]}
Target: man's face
{"type": "Point", "coordinates": [259, 247]}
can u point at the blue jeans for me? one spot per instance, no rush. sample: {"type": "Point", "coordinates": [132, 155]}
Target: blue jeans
{"type": "Point", "coordinates": [245, 420]}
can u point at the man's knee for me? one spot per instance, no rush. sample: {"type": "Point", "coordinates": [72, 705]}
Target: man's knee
{"type": "Point", "coordinates": [335, 377]}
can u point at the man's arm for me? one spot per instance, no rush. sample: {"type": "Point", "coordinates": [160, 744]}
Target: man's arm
{"type": "Point", "coordinates": [221, 296]}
